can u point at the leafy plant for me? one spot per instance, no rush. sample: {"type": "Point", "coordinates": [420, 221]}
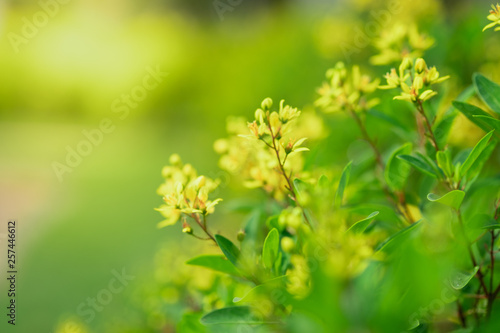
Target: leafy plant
{"type": "Point", "coordinates": [366, 247]}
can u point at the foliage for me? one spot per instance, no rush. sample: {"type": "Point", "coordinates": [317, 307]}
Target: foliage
{"type": "Point", "coordinates": [312, 256]}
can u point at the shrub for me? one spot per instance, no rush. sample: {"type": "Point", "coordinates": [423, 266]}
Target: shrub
{"type": "Point", "coordinates": [407, 241]}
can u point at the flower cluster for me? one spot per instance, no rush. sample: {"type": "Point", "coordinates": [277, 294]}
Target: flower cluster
{"type": "Point", "coordinates": [272, 125]}
{"type": "Point", "coordinates": [184, 192]}
{"type": "Point", "coordinates": [399, 42]}
{"type": "Point", "coordinates": [345, 92]}
{"type": "Point", "coordinates": [271, 147]}
{"type": "Point", "coordinates": [414, 81]}
{"type": "Point", "coordinates": [494, 17]}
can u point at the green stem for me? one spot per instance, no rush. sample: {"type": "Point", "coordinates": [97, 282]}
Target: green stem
{"type": "Point", "coordinates": [421, 111]}
{"type": "Point", "coordinates": [281, 164]}
{"type": "Point", "coordinates": [203, 226]}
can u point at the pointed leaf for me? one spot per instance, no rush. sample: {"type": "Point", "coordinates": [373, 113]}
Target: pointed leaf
{"type": "Point", "coordinates": [231, 315]}
{"type": "Point", "coordinates": [427, 160]}
{"type": "Point", "coordinates": [460, 280]}
{"type": "Point", "coordinates": [323, 182]}
{"type": "Point", "coordinates": [396, 170]}
{"type": "Point", "coordinates": [216, 262]}
{"type": "Point", "coordinates": [490, 121]}
{"type": "Point", "coordinates": [419, 164]}
{"type": "Point", "coordinates": [492, 226]}
{"type": "Point", "coordinates": [271, 248]}
{"type": "Point", "coordinates": [443, 159]}
{"type": "Point", "coordinates": [190, 323]}
{"type": "Point", "coordinates": [488, 90]}
{"type": "Point", "coordinates": [300, 186]}
{"type": "Point", "coordinates": [478, 165]}
{"type": "Point", "coordinates": [398, 237]}
{"type": "Point", "coordinates": [360, 226]}
{"type": "Point", "coordinates": [230, 250]}
{"type": "Point", "coordinates": [452, 199]}
{"type": "Point", "coordinates": [470, 111]}
{"type": "Point", "coordinates": [262, 289]}
{"type": "Point", "coordinates": [474, 154]}
{"type": "Point", "coordinates": [344, 180]}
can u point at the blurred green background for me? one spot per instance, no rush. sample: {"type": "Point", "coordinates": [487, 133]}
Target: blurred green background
{"type": "Point", "coordinates": [64, 78]}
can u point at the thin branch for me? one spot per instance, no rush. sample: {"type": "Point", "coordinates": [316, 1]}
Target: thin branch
{"type": "Point", "coordinates": [432, 138]}
{"type": "Point", "coordinates": [281, 164]}
{"type": "Point", "coordinates": [203, 226]}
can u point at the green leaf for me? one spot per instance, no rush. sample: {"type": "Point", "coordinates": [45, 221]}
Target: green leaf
{"type": "Point", "coordinates": [323, 182]}
{"type": "Point", "coordinates": [398, 237]}
{"type": "Point", "coordinates": [344, 180]}
{"type": "Point", "coordinates": [230, 250]}
{"type": "Point", "coordinates": [471, 111]}
{"type": "Point", "coordinates": [490, 121]}
{"type": "Point", "coordinates": [478, 165]}
{"type": "Point", "coordinates": [273, 222]}
{"type": "Point", "coordinates": [254, 231]}
{"type": "Point", "coordinates": [190, 323]}
{"type": "Point", "coordinates": [231, 315]}
{"type": "Point", "coordinates": [271, 248]}
{"type": "Point", "coordinates": [300, 186]}
{"type": "Point", "coordinates": [474, 154]}
{"type": "Point", "coordinates": [492, 226]}
{"type": "Point", "coordinates": [360, 226]}
{"type": "Point", "coordinates": [397, 171]}
{"type": "Point", "coordinates": [460, 280]}
{"type": "Point", "coordinates": [216, 262]}
{"type": "Point", "coordinates": [444, 162]}
{"type": "Point", "coordinates": [452, 199]}
{"type": "Point", "coordinates": [488, 90]}
{"type": "Point", "coordinates": [262, 289]}
{"type": "Point", "coordinates": [430, 163]}
{"type": "Point", "coordinates": [419, 164]}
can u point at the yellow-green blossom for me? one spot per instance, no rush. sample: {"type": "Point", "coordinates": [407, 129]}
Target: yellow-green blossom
{"type": "Point", "coordinates": [253, 160]}
{"type": "Point", "coordinates": [414, 81]}
{"type": "Point", "coordinates": [272, 124]}
{"type": "Point", "coordinates": [184, 192]}
{"type": "Point", "coordinates": [494, 17]}
{"type": "Point", "coordinates": [399, 42]}
{"type": "Point", "coordinates": [345, 92]}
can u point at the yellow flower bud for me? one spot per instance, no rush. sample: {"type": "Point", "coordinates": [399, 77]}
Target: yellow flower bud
{"type": "Point", "coordinates": [274, 120]}
{"type": "Point", "coordinates": [420, 66]}
{"type": "Point", "coordinates": [203, 194]}
{"type": "Point", "coordinates": [266, 104]}
{"type": "Point", "coordinates": [221, 146]}
{"type": "Point", "coordinates": [190, 192]}
{"type": "Point", "coordinates": [241, 235]}
{"type": "Point", "coordinates": [406, 64]}
{"type": "Point", "coordinates": [186, 228]}
{"type": "Point", "coordinates": [428, 94]}
{"type": "Point", "coordinates": [188, 170]}
{"type": "Point", "coordinates": [260, 115]}
{"type": "Point", "coordinates": [287, 244]}
{"type": "Point", "coordinates": [418, 83]}
{"type": "Point", "coordinates": [179, 188]}
{"type": "Point", "coordinates": [200, 182]}
{"type": "Point", "coordinates": [175, 159]}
